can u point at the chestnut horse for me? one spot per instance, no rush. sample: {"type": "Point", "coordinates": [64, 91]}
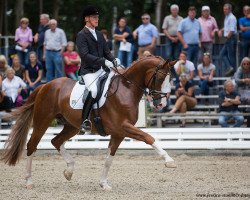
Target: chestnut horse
{"type": "Point", "coordinates": [119, 115]}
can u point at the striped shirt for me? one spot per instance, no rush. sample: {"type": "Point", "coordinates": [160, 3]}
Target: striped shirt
{"type": "Point", "coordinates": [55, 40]}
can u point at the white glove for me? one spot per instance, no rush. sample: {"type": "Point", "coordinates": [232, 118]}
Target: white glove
{"type": "Point", "coordinates": [109, 64]}
{"type": "Point", "coordinates": [116, 62]}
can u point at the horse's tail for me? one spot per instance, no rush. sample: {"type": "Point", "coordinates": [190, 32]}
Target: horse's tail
{"type": "Point", "coordinates": [14, 146]}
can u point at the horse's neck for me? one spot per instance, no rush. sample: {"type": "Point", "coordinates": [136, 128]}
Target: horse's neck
{"type": "Point", "coordinates": [136, 74]}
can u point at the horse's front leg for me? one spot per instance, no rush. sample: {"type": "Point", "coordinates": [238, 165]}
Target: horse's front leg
{"type": "Point", "coordinates": [113, 146]}
{"type": "Point", "coordinates": [138, 134]}
{"type": "Point", "coordinates": [70, 163]}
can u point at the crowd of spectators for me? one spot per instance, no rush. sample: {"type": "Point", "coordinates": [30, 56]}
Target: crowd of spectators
{"type": "Point", "coordinates": [188, 40]}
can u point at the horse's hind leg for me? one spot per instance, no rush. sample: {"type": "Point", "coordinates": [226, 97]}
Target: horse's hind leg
{"type": "Point", "coordinates": [59, 141]}
{"type": "Point", "coordinates": [29, 183]}
{"type": "Point", "coordinates": [137, 134]}
{"type": "Point", "coordinates": [113, 146]}
{"type": "Point", "coordinates": [39, 128]}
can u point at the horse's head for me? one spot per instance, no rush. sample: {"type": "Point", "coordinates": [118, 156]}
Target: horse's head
{"type": "Point", "coordinates": [158, 78]}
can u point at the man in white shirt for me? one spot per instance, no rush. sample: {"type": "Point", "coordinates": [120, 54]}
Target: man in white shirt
{"type": "Point", "coordinates": [184, 67]}
{"type": "Point", "coordinates": [228, 52]}
{"type": "Point", "coordinates": [169, 27]}
{"type": "Point", "coordinates": [54, 44]}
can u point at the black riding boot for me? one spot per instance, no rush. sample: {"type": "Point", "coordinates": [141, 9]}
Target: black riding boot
{"type": "Point", "coordinates": [87, 107]}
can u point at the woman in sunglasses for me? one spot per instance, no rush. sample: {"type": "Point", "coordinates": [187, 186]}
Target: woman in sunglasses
{"type": "Point", "coordinates": [206, 71]}
{"type": "Point", "coordinates": [242, 79]}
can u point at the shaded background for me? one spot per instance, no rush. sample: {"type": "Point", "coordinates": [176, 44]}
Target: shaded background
{"type": "Point", "coordinates": [68, 12]}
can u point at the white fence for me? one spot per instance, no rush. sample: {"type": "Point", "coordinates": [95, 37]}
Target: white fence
{"type": "Point", "coordinates": [172, 138]}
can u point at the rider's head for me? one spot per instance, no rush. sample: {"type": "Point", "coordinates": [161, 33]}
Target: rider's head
{"type": "Point", "coordinates": [91, 16]}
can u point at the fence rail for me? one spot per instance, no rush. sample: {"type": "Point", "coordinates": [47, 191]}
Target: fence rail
{"type": "Point", "coordinates": [168, 138]}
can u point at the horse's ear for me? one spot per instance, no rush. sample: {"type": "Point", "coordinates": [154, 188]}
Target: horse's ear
{"type": "Point", "coordinates": [169, 63]}
{"type": "Point", "coordinates": [172, 63]}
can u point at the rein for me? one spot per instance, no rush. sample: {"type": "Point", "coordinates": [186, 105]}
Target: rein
{"type": "Point", "coordinates": [152, 79]}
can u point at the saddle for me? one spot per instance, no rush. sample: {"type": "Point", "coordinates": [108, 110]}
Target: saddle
{"type": "Point", "coordinates": [100, 88]}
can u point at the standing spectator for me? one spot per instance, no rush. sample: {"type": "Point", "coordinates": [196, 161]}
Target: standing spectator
{"type": "Point", "coordinates": [170, 26]}
{"type": "Point", "coordinates": [184, 67]}
{"type": "Point", "coordinates": [18, 67]}
{"type": "Point", "coordinates": [244, 23]}
{"type": "Point", "coordinates": [229, 101]}
{"type": "Point", "coordinates": [124, 37]}
{"type": "Point", "coordinates": [228, 52]}
{"type": "Point", "coordinates": [242, 79]}
{"type": "Point", "coordinates": [209, 27]}
{"type": "Point", "coordinates": [39, 37]}
{"type": "Point", "coordinates": [54, 45]}
{"type": "Point", "coordinates": [106, 37]}
{"type": "Point", "coordinates": [71, 61]}
{"type": "Point", "coordinates": [14, 87]}
{"type": "Point", "coordinates": [206, 71]}
{"type": "Point", "coordinates": [147, 34]}
{"type": "Point", "coordinates": [185, 99]}
{"type": "Point", "coordinates": [23, 39]}
{"type": "Point", "coordinates": [189, 33]}
{"type": "Point", "coordinates": [3, 68]}
{"type": "Point", "coordinates": [33, 72]}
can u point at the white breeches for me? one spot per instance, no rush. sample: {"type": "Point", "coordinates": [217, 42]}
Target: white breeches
{"type": "Point", "coordinates": [91, 80]}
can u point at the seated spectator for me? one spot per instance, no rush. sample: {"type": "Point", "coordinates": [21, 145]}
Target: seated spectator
{"type": "Point", "coordinates": [6, 103]}
{"type": "Point", "coordinates": [206, 71]}
{"type": "Point", "coordinates": [228, 102]}
{"type": "Point", "coordinates": [18, 67]}
{"type": "Point", "coordinates": [242, 79]}
{"type": "Point", "coordinates": [185, 99]}
{"type": "Point", "coordinates": [33, 72]}
{"type": "Point", "coordinates": [184, 67]}
{"type": "Point", "coordinates": [72, 61]}
{"type": "Point", "coordinates": [14, 87]}
{"type": "Point", "coordinates": [3, 68]}
{"type": "Point", "coordinates": [23, 39]}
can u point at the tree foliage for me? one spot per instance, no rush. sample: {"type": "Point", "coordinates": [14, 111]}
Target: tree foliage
{"type": "Point", "coordinates": [68, 12]}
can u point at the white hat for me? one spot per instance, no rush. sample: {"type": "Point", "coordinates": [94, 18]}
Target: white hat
{"type": "Point", "coordinates": [205, 8]}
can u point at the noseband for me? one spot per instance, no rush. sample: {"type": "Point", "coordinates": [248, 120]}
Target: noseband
{"type": "Point", "coordinates": [153, 80]}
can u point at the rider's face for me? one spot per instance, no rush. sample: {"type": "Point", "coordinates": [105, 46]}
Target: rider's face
{"type": "Point", "coordinates": [92, 21]}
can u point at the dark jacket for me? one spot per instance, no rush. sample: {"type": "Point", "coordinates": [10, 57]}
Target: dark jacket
{"type": "Point", "coordinates": [93, 53]}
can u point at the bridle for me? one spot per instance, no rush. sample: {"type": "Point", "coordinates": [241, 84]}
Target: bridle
{"type": "Point", "coordinates": [151, 81]}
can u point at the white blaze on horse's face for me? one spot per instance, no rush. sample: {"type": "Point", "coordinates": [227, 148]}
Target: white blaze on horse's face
{"type": "Point", "coordinates": [166, 86]}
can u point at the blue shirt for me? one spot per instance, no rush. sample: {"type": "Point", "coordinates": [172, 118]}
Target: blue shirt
{"type": "Point", "coordinates": [245, 22]}
{"type": "Point", "coordinates": [190, 30]}
{"type": "Point", "coordinates": [146, 34]}
{"type": "Point", "coordinates": [125, 30]}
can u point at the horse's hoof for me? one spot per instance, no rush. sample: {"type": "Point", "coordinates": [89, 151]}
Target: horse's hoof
{"type": "Point", "coordinates": [105, 186]}
{"type": "Point", "coordinates": [170, 164]}
{"type": "Point", "coordinates": [29, 186]}
{"type": "Point", "coordinates": [67, 174]}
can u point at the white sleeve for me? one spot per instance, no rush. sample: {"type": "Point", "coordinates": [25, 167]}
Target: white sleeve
{"type": "Point", "coordinates": [166, 86]}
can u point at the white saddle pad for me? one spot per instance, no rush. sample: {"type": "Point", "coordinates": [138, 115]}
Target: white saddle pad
{"type": "Point", "coordinates": [78, 90]}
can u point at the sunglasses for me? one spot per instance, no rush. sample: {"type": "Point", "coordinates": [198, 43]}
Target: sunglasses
{"type": "Point", "coordinates": [206, 54]}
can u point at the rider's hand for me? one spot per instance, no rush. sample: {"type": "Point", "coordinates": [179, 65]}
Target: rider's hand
{"type": "Point", "coordinates": [116, 62]}
{"type": "Point", "coordinates": [109, 64]}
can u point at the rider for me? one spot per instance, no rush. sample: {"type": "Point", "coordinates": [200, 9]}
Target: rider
{"type": "Point", "coordinates": [96, 58]}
